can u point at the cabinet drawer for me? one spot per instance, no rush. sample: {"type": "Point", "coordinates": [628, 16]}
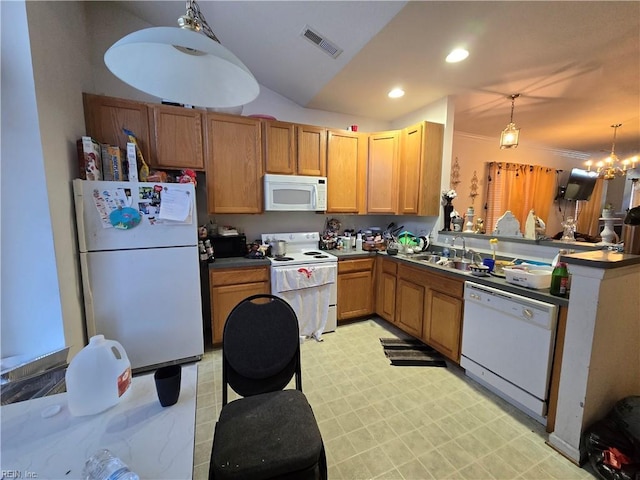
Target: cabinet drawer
{"type": "Point", "coordinates": [389, 266]}
{"type": "Point", "coordinates": [450, 286]}
{"type": "Point", "coordinates": [414, 275]}
{"type": "Point", "coordinates": [235, 276]}
{"type": "Point", "coordinates": [359, 265]}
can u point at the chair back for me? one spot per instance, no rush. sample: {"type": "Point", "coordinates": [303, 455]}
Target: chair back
{"type": "Point", "coordinates": [260, 346]}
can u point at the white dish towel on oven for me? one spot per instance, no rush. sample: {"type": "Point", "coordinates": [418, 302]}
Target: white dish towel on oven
{"type": "Point", "coordinates": [307, 289]}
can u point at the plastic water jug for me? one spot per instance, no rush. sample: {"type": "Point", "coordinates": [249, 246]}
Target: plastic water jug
{"type": "Point", "coordinates": [97, 377]}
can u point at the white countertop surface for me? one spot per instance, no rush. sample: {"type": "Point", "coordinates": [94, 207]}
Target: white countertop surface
{"type": "Point", "coordinates": [155, 442]}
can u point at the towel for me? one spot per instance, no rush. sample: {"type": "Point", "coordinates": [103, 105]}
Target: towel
{"type": "Point", "coordinates": [307, 289]}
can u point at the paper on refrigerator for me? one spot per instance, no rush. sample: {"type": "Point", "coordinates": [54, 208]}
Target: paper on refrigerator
{"type": "Point", "coordinates": [176, 205]}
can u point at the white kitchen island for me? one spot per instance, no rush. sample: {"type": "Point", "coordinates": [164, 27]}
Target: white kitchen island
{"type": "Point", "coordinates": [155, 442]}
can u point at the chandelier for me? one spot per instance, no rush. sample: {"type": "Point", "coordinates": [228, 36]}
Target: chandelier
{"type": "Point", "coordinates": [612, 167]}
{"type": "Point", "coordinates": [183, 65]}
{"type": "Point", "coordinates": [509, 136]}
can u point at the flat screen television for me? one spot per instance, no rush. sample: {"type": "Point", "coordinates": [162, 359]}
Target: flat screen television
{"type": "Point", "coordinates": [580, 184]}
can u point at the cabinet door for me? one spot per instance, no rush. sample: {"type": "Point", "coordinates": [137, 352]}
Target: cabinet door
{"type": "Point", "coordinates": [443, 325]}
{"type": "Point", "coordinates": [409, 169]}
{"type": "Point", "coordinates": [225, 298]}
{"type": "Point", "coordinates": [279, 147]}
{"type": "Point", "coordinates": [382, 178]}
{"type": "Point", "coordinates": [346, 172]}
{"type": "Point", "coordinates": [312, 150]}
{"type": "Point", "coordinates": [387, 297]}
{"type": "Point", "coordinates": [386, 288]}
{"type": "Point", "coordinates": [420, 167]}
{"type": "Point", "coordinates": [355, 295]}
{"type": "Point", "coordinates": [106, 117]}
{"type": "Point", "coordinates": [410, 306]}
{"type": "Point", "coordinates": [233, 160]}
{"type": "Point", "coordinates": [176, 137]}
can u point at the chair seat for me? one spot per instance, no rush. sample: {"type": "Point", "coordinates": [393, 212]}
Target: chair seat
{"type": "Point", "coordinates": [265, 436]}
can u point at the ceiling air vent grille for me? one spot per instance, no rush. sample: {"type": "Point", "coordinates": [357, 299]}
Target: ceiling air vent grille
{"type": "Point", "coordinates": [321, 42]}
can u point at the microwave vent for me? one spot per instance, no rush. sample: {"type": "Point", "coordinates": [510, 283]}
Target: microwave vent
{"type": "Point", "coordinates": [321, 41]}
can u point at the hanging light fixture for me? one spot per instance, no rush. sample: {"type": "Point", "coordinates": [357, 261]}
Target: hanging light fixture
{"type": "Point", "coordinates": [182, 65]}
{"type": "Point", "coordinates": [509, 137]}
{"type": "Point", "coordinates": [612, 167]}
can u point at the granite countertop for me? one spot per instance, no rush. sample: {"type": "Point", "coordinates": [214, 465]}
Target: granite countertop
{"type": "Point", "coordinates": [542, 295]}
{"type": "Point", "coordinates": [604, 259]}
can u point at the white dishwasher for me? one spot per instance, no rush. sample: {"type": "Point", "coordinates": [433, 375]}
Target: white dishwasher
{"type": "Point", "coordinates": [507, 345]}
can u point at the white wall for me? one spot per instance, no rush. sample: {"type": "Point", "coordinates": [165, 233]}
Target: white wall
{"type": "Point", "coordinates": [62, 69]}
{"type": "Point", "coordinates": [31, 321]}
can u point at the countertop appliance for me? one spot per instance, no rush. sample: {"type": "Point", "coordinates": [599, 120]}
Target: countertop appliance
{"type": "Point", "coordinates": [140, 278]}
{"type": "Point", "coordinates": [295, 193]}
{"type": "Point", "coordinates": [507, 345]}
{"type": "Point", "coordinates": [306, 277]}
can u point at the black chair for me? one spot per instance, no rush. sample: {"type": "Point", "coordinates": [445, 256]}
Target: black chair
{"type": "Point", "coordinates": [271, 432]}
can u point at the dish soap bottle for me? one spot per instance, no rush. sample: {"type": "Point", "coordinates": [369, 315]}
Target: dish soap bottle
{"type": "Point", "coordinates": [559, 280]}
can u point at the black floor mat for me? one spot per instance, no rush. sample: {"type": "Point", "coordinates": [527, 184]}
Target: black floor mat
{"type": "Point", "coordinates": [411, 352]}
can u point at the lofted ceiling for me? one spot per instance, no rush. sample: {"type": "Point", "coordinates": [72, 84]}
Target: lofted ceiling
{"type": "Point", "coordinates": [576, 65]}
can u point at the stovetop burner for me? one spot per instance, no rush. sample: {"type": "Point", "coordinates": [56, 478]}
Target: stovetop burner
{"type": "Point", "coordinates": [280, 258]}
{"type": "Point", "coordinates": [313, 253]}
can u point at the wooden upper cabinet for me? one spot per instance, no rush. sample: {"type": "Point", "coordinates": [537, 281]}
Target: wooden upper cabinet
{"type": "Point", "coordinates": [176, 137]}
{"type": "Point", "coordinates": [280, 152]}
{"type": "Point", "coordinates": [233, 159]}
{"type": "Point", "coordinates": [346, 172]}
{"type": "Point", "coordinates": [382, 181]}
{"type": "Point", "coordinates": [420, 167]}
{"type": "Point", "coordinates": [106, 117]}
{"type": "Point", "coordinates": [312, 150]}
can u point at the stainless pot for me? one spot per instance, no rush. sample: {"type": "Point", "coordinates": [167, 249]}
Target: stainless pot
{"type": "Point", "coordinates": [278, 248]}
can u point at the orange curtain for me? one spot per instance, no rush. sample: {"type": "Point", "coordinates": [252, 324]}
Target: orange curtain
{"type": "Point", "coordinates": [518, 188]}
{"type": "Point", "coordinates": [589, 213]}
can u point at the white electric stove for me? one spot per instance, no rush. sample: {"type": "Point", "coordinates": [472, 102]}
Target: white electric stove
{"type": "Point", "coordinates": [314, 303]}
{"type": "Point", "coordinates": [302, 248]}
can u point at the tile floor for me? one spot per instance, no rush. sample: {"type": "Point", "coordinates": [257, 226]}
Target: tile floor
{"type": "Point", "coordinates": [387, 422]}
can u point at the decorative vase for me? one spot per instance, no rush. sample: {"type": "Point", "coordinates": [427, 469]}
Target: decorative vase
{"type": "Point", "coordinates": [448, 208]}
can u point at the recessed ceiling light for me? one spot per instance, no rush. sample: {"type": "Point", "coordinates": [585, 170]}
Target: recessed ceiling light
{"type": "Point", "coordinates": [457, 55]}
{"type": "Point", "coordinates": [396, 93]}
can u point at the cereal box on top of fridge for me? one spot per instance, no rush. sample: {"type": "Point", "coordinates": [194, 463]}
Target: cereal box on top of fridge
{"type": "Point", "coordinates": [89, 159]}
{"type": "Point", "coordinates": [112, 163]}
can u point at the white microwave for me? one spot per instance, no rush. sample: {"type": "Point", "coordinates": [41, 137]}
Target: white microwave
{"type": "Point", "coordinates": [295, 193]}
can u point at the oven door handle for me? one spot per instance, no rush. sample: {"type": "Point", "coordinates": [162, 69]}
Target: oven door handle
{"type": "Point", "coordinates": [314, 200]}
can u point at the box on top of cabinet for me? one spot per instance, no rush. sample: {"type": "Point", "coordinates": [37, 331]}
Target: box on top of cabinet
{"type": "Point", "coordinates": [89, 159]}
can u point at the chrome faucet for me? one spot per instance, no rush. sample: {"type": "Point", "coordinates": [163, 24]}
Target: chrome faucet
{"type": "Point", "coordinates": [464, 247]}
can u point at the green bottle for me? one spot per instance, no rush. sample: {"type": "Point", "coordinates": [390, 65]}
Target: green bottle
{"type": "Point", "coordinates": [559, 280]}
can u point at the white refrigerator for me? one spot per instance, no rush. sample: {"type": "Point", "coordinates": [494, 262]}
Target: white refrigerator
{"type": "Point", "coordinates": [138, 247]}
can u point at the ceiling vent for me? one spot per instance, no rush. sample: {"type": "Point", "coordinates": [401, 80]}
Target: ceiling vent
{"type": "Point", "coordinates": [320, 41]}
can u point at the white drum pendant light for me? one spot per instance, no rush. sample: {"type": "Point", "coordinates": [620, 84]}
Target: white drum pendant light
{"type": "Point", "coordinates": [182, 65]}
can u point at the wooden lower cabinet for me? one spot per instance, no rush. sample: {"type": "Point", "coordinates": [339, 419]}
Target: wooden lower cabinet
{"type": "Point", "coordinates": [442, 328]}
{"type": "Point", "coordinates": [228, 287]}
{"type": "Point", "coordinates": [411, 299]}
{"type": "Point", "coordinates": [355, 288]}
{"type": "Point", "coordinates": [427, 305]}
{"type": "Point", "coordinates": [386, 271]}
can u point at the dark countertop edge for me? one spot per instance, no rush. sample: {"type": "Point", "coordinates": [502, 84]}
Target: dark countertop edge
{"type": "Point", "coordinates": [239, 262]}
{"type": "Point", "coordinates": [542, 295]}
{"type": "Point", "coordinates": [604, 259]}
{"type": "Point", "coordinates": [543, 243]}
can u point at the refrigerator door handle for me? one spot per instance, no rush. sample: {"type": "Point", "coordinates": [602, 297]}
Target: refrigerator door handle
{"type": "Point", "coordinates": [79, 201]}
{"type": "Point", "coordinates": [88, 297]}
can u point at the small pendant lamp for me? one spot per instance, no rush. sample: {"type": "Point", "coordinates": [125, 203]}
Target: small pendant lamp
{"type": "Point", "coordinates": [510, 135]}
